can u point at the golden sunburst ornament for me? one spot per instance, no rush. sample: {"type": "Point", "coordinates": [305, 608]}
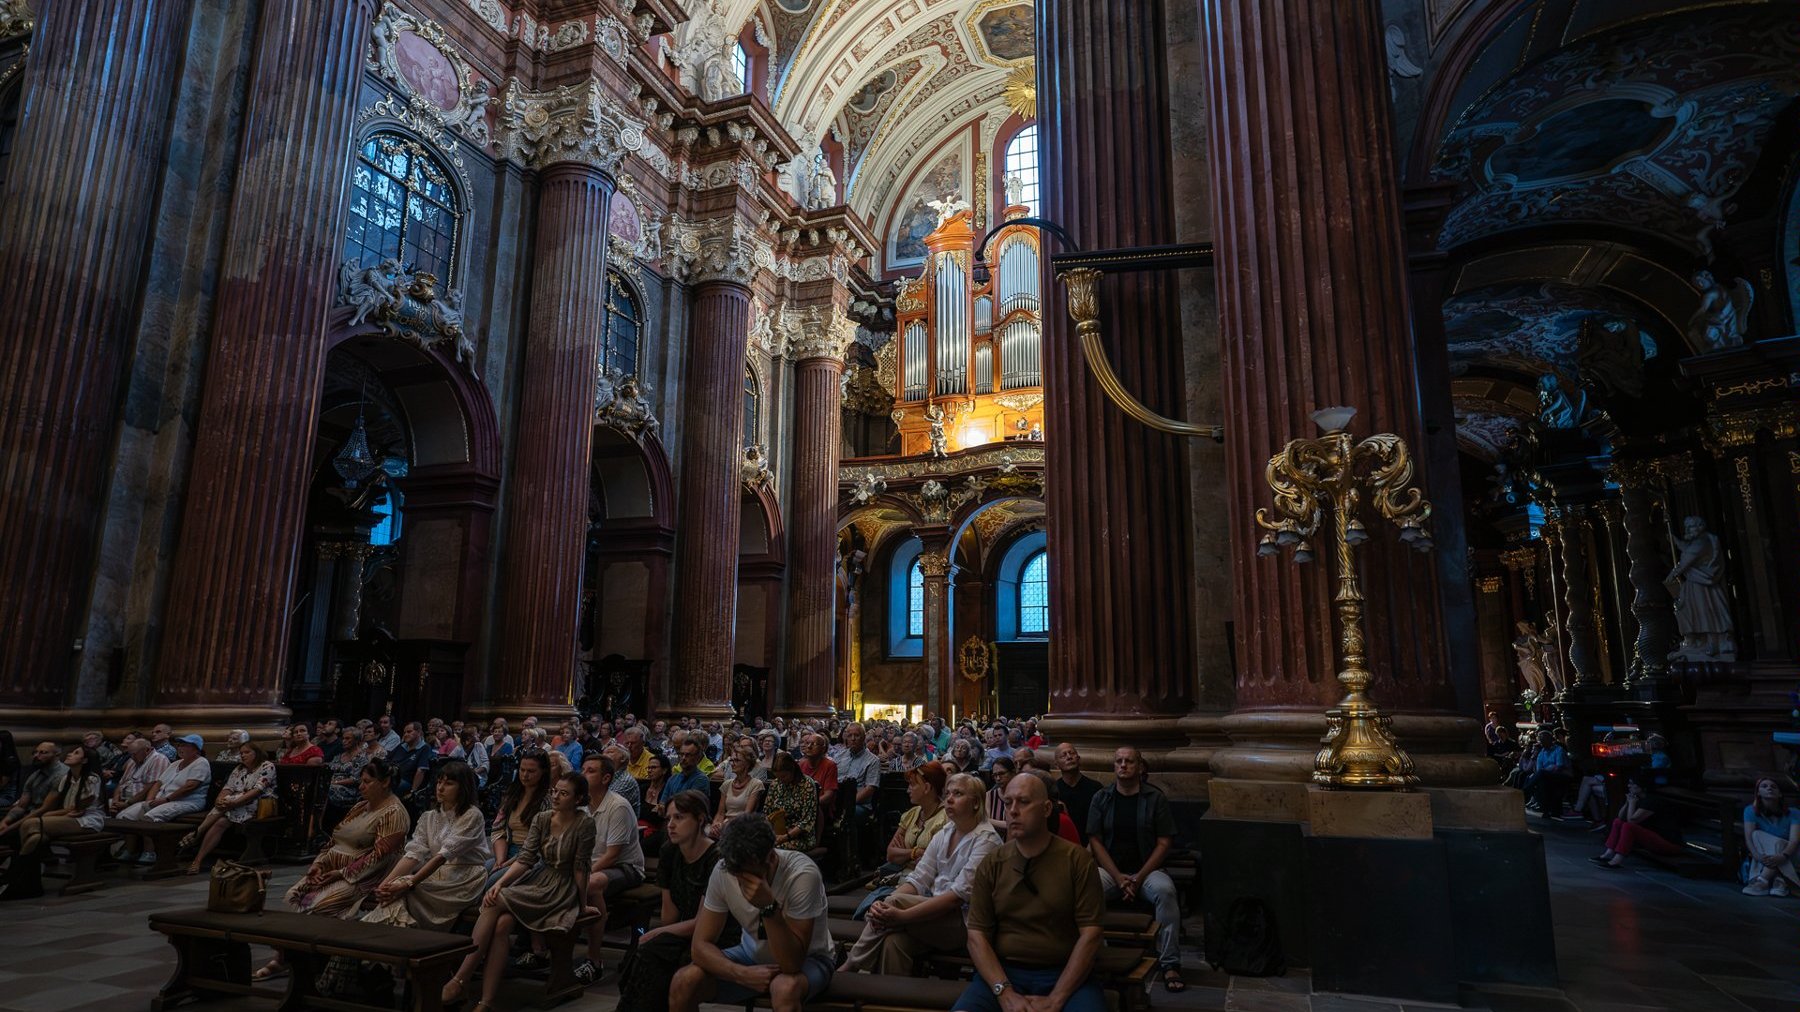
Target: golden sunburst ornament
{"type": "Point", "coordinates": [1021, 90]}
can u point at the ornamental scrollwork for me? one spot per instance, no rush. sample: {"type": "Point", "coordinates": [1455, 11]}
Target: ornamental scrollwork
{"type": "Point", "coordinates": [622, 402]}
{"type": "Point", "coordinates": [16, 18]}
{"type": "Point", "coordinates": [754, 471]}
{"type": "Point", "coordinates": [716, 249]}
{"type": "Point", "coordinates": [406, 306]}
{"type": "Point", "coordinates": [390, 59]}
{"type": "Point", "coordinates": [575, 123]}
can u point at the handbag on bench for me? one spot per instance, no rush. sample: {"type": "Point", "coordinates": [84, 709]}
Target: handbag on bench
{"type": "Point", "coordinates": [237, 889]}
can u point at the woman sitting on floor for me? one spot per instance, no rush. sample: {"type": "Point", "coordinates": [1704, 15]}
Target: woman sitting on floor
{"type": "Point", "coordinates": [552, 899]}
{"type": "Point", "coordinates": [445, 864]}
{"type": "Point", "coordinates": [682, 871]}
{"type": "Point", "coordinates": [792, 803]}
{"type": "Point", "coordinates": [1772, 837]}
{"type": "Point", "coordinates": [252, 781]}
{"type": "Point", "coordinates": [1643, 822]}
{"type": "Point", "coordinates": [72, 807]}
{"type": "Point", "coordinates": [364, 845]}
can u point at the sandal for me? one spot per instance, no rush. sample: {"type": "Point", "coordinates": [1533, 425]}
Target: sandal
{"type": "Point", "coordinates": [272, 970]}
{"type": "Point", "coordinates": [1172, 981]}
{"type": "Point", "coordinates": [190, 840]}
{"type": "Point", "coordinates": [452, 992]}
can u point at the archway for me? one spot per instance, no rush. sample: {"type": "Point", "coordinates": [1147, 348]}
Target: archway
{"type": "Point", "coordinates": [631, 542]}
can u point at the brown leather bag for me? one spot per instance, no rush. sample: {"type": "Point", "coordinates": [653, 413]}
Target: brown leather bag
{"type": "Point", "coordinates": [237, 889]}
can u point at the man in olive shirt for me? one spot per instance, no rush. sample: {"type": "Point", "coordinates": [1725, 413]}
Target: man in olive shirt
{"type": "Point", "coordinates": [1034, 915]}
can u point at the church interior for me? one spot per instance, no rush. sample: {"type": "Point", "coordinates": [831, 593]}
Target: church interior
{"type": "Point", "coordinates": [1381, 417]}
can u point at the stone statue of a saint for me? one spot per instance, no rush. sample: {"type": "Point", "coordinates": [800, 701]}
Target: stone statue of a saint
{"type": "Point", "coordinates": [1702, 612]}
{"type": "Point", "coordinates": [1530, 649]}
{"type": "Point", "coordinates": [821, 184]}
{"type": "Point", "coordinates": [1555, 409]}
{"type": "Point", "coordinates": [1724, 313]}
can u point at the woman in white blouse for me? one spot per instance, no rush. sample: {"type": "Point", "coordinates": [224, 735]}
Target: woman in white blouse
{"type": "Point", "coordinates": [249, 783]}
{"type": "Point", "coordinates": [739, 794]}
{"type": "Point", "coordinates": [445, 864]}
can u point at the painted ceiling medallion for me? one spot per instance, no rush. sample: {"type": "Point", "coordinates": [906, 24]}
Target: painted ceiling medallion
{"type": "Point", "coordinates": [1003, 30]}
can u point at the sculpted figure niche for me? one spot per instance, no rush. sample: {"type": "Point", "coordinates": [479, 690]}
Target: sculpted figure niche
{"type": "Point", "coordinates": [1702, 611]}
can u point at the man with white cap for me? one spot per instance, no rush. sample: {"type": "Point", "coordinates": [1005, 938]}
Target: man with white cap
{"type": "Point", "coordinates": [182, 787]}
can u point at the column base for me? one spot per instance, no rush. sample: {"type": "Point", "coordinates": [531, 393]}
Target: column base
{"type": "Point", "coordinates": [702, 711]}
{"type": "Point", "coordinates": [799, 712]}
{"type": "Point", "coordinates": [1177, 749]}
{"type": "Point", "coordinates": [515, 713]}
{"type": "Point", "coordinates": [66, 725]}
{"type": "Point", "coordinates": [1281, 745]}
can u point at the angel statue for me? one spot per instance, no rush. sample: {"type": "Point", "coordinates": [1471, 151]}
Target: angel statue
{"type": "Point", "coordinates": [1532, 649]}
{"type": "Point", "coordinates": [947, 207]}
{"type": "Point", "coordinates": [1702, 612]}
{"type": "Point", "coordinates": [939, 441]}
{"type": "Point", "coordinates": [370, 288]}
{"type": "Point", "coordinates": [1724, 313]}
{"type": "Point", "coordinates": [1555, 409]}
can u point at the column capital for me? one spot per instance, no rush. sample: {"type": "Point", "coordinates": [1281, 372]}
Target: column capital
{"type": "Point", "coordinates": [818, 332]}
{"type": "Point", "coordinates": [16, 18]}
{"type": "Point", "coordinates": [576, 123]}
{"type": "Point", "coordinates": [723, 249]}
{"type": "Point", "coordinates": [935, 564]}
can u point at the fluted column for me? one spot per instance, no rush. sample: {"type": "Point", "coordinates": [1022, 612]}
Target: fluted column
{"type": "Point", "coordinates": [229, 606]}
{"type": "Point", "coordinates": [1314, 307]}
{"type": "Point", "coordinates": [812, 575]}
{"type": "Point", "coordinates": [547, 504]}
{"type": "Point", "coordinates": [1122, 665]}
{"type": "Point", "coordinates": [1650, 600]}
{"type": "Point", "coordinates": [1578, 605]}
{"type": "Point", "coordinates": [75, 217]}
{"type": "Point", "coordinates": [940, 651]}
{"type": "Point", "coordinates": [710, 497]}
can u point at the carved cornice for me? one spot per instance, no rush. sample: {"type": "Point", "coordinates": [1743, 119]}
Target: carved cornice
{"type": "Point", "coordinates": [1739, 428]}
{"type": "Point", "coordinates": [576, 123]}
{"type": "Point", "coordinates": [716, 249]}
{"type": "Point", "coordinates": [16, 18]}
{"type": "Point", "coordinates": [1002, 458]}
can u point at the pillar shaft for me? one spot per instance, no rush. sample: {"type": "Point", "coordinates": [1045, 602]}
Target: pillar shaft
{"type": "Point", "coordinates": [1122, 662]}
{"type": "Point", "coordinates": [706, 538]}
{"type": "Point", "coordinates": [547, 503]}
{"type": "Point", "coordinates": [1650, 600]}
{"type": "Point", "coordinates": [940, 650]}
{"type": "Point", "coordinates": [1578, 605]}
{"type": "Point", "coordinates": [812, 576]}
{"type": "Point", "coordinates": [75, 218]}
{"type": "Point", "coordinates": [230, 594]}
{"type": "Point", "coordinates": [1314, 307]}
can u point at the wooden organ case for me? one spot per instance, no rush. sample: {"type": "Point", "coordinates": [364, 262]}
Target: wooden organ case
{"type": "Point", "coordinates": [969, 353]}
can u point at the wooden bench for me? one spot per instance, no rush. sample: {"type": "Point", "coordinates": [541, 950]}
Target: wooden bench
{"type": "Point", "coordinates": [1123, 970]}
{"type": "Point", "coordinates": [562, 984]}
{"type": "Point", "coordinates": [874, 992]}
{"type": "Point", "coordinates": [164, 837]}
{"type": "Point", "coordinates": [213, 956]}
{"type": "Point", "coordinates": [85, 852]}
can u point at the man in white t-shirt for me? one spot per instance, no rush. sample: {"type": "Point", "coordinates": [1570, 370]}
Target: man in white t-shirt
{"type": "Point", "coordinates": [180, 789]}
{"type": "Point", "coordinates": [778, 898]}
{"type": "Point", "coordinates": [618, 854]}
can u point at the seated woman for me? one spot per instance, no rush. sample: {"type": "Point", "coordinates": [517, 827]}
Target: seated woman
{"type": "Point", "coordinates": [738, 795]}
{"type": "Point", "coordinates": [1002, 772]}
{"type": "Point", "coordinates": [297, 749]}
{"type": "Point", "coordinates": [792, 803]}
{"type": "Point", "coordinates": [73, 806]}
{"type": "Point", "coordinates": [651, 810]}
{"type": "Point", "coordinates": [249, 783]}
{"type": "Point", "coordinates": [445, 864]}
{"type": "Point", "coordinates": [1643, 822]}
{"type": "Point", "coordinates": [346, 775]}
{"type": "Point", "coordinates": [1772, 837]}
{"type": "Point", "coordinates": [682, 871]}
{"type": "Point", "coordinates": [560, 846]}
{"type": "Point", "coordinates": [918, 824]}
{"type": "Point", "coordinates": [528, 795]}
{"type": "Point", "coordinates": [469, 749]}
{"type": "Point", "coordinates": [962, 757]}
{"type": "Point", "coordinates": [364, 845]}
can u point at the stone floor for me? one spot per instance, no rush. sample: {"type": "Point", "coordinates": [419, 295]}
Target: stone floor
{"type": "Point", "coordinates": [1627, 941]}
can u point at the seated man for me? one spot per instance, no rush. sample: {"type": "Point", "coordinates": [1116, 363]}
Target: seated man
{"type": "Point", "coordinates": [180, 790]}
{"type": "Point", "coordinates": [618, 854]}
{"type": "Point", "coordinates": [1130, 829]}
{"type": "Point", "coordinates": [778, 898]}
{"type": "Point", "coordinates": [861, 766]}
{"type": "Point", "coordinates": [144, 767]}
{"type": "Point", "coordinates": [47, 771]}
{"type": "Point", "coordinates": [1034, 916]}
{"type": "Point", "coordinates": [926, 912]}
{"type": "Point", "coordinates": [688, 776]}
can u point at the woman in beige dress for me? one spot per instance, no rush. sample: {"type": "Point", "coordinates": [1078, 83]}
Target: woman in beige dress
{"type": "Point", "coordinates": [363, 847]}
{"type": "Point", "coordinates": [446, 861]}
{"type": "Point", "coordinates": [551, 899]}
{"type": "Point", "coordinates": [738, 795]}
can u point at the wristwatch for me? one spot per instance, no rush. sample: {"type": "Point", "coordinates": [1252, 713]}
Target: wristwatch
{"type": "Point", "coordinates": [1000, 988]}
{"type": "Point", "coordinates": [770, 911]}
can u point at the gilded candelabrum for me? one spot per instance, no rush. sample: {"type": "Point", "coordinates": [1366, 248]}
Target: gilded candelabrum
{"type": "Point", "coordinates": [1335, 471]}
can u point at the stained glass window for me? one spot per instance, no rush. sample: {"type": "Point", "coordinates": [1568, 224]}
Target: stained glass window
{"type": "Point", "coordinates": [624, 324]}
{"type": "Point", "coordinates": [1034, 597]}
{"type": "Point", "coordinates": [1022, 161]}
{"type": "Point", "coordinates": [915, 600]}
{"type": "Point", "coordinates": [402, 207]}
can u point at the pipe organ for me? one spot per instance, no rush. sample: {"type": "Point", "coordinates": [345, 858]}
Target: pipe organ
{"type": "Point", "coordinates": [971, 349]}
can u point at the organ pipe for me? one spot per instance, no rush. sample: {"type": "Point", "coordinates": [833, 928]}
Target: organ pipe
{"type": "Point", "coordinates": [952, 317]}
{"type": "Point", "coordinates": [914, 347]}
{"type": "Point", "coordinates": [984, 368]}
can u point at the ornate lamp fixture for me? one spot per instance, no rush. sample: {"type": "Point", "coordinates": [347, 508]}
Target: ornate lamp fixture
{"type": "Point", "coordinates": [354, 463]}
{"type": "Point", "coordinates": [1335, 472]}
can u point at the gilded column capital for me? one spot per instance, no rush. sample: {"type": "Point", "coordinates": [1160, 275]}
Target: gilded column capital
{"type": "Point", "coordinates": [934, 565]}
{"type": "Point", "coordinates": [16, 18]}
{"type": "Point", "coordinates": [727, 248]}
{"type": "Point", "coordinates": [577, 123]}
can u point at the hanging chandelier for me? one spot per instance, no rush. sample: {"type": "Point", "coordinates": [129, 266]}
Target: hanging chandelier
{"type": "Point", "coordinates": [354, 463]}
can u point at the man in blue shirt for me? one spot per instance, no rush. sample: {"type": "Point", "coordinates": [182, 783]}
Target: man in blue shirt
{"type": "Point", "coordinates": [411, 762]}
{"type": "Point", "coordinates": [571, 745]}
{"type": "Point", "coordinates": [688, 776]}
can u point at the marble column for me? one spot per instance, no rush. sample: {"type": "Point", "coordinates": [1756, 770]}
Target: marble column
{"type": "Point", "coordinates": [940, 639]}
{"type": "Point", "coordinates": [1122, 663]}
{"type": "Point", "coordinates": [75, 217]}
{"type": "Point", "coordinates": [225, 644]}
{"type": "Point", "coordinates": [812, 567]}
{"type": "Point", "coordinates": [1313, 299]}
{"type": "Point", "coordinates": [710, 497]}
{"type": "Point", "coordinates": [547, 503]}
{"type": "Point", "coordinates": [1578, 606]}
{"type": "Point", "coordinates": [1650, 600]}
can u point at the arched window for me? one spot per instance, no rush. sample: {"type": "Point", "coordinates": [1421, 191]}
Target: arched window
{"type": "Point", "coordinates": [1034, 596]}
{"type": "Point", "coordinates": [624, 324]}
{"type": "Point", "coordinates": [752, 408]}
{"type": "Point", "coordinates": [402, 207]}
{"type": "Point", "coordinates": [740, 65]}
{"type": "Point", "coordinates": [915, 600]}
{"type": "Point", "coordinates": [9, 123]}
{"type": "Point", "coordinates": [387, 529]}
{"type": "Point", "coordinates": [1022, 161]}
{"type": "Point", "coordinates": [906, 601]}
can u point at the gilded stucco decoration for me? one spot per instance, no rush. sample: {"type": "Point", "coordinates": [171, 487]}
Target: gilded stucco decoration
{"type": "Point", "coordinates": [622, 402]}
{"type": "Point", "coordinates": [409, 306]}
{"type": "Point", "coordinates": [716, 249]}
{"type": "Point", "coordinates": [16, 18]}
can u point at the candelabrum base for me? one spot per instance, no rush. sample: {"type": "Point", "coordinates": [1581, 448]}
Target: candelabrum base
{"type": "Point", "coordinates": [1359, 752]}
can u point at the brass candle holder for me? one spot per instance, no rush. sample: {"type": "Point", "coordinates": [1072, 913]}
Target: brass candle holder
{"type": "Point", "coordinates": [1335, 472]}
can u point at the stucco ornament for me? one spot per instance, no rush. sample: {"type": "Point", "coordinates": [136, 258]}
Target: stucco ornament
{"type": "Point", "coordinates": [622, 402]}
{"type": "Point", "coordinates": [575, 123]}
{"type": "Point", "coordinates": [406, 306]}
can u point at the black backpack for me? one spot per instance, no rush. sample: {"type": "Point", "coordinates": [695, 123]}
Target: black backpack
{"type": "Point", "coordinates": [1248, 943]}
